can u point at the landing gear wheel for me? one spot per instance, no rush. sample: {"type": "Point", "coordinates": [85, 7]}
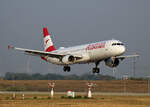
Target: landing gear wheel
{"type": "Point", "coordinates": [96, 70]}
{"type": "Point", "coordinates": [67, 68]}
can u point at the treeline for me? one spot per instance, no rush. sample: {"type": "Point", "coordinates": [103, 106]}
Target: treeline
{"type": "Point", "coordinates": [50, 76]}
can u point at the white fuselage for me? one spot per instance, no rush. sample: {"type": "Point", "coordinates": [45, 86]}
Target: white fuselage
{"type": "Point", "coordinates": [93, 52]}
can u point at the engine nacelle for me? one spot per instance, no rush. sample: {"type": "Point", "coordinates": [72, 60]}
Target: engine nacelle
{"type": "Point", "coordinates": [68, 59]}
{"type": "Point", "coordinates": [112, 62]}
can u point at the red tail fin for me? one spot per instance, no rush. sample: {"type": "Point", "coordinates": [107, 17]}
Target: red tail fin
{"type": "Point", "coordinates": [48, 44]}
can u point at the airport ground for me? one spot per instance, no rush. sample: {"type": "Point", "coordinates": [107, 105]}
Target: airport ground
{"type": "Point", "coordinates": [42, 100]}
{"type": "Point", "coordinates": [115, 93]}
{"type": "Point", "coordinates": [130, 86]}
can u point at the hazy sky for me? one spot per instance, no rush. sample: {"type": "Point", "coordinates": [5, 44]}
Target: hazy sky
{"type": "Point", "coordinates": [73, 22]}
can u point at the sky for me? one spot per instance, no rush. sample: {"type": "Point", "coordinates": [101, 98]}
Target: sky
{"type": "Point", "coordinates": [74, 22]}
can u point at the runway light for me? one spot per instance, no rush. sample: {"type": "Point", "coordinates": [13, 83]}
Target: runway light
{"type": "Point", "coordinates": [52, 85]}
{"type": "Point", "coordinates": [90, 86]}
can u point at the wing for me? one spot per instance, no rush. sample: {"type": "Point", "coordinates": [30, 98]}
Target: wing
{"type": "Point", "coordinates": [127, 56]}
{"type": "Point", "coordinates": [41, 53]}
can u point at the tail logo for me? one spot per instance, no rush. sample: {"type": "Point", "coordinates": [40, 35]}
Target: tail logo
{"type": "Point", "coordinates": [47, 41]}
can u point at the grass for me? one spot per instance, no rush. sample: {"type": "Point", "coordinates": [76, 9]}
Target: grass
{"type": "Point", "coordinates": [43, 100]}
{"type": "Point", "coordinates": [97, 101]}
{"type": "Point", "coordinates": [136, 86]}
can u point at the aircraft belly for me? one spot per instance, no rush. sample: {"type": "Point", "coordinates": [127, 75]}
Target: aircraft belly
{"type": "Point", "coordinates": [54, 61]}
{"type": "Point", "coordinates": [97, 54]}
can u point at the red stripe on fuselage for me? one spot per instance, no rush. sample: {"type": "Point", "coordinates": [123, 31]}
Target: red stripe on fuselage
{"type": "Point", "coordinates": [96, 46]}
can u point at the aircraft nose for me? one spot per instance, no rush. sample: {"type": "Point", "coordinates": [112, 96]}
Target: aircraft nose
{"type": "Point", "coordinates": [123, 49]}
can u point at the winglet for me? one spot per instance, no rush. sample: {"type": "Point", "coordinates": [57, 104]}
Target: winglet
{"type": "Point", "coordinates": [138, 54]}
{"type": "Point", "coordinates": [10, 47]}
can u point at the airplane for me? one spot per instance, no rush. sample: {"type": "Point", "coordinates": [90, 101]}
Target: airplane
{"type": "Point", "coordinates": [109, 51]}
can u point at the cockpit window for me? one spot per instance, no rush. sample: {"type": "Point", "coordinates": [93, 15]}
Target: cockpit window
{"type": "Point", "coordinates": [114, 44]}
{"type": "Point", "coordinates": [117, 44]}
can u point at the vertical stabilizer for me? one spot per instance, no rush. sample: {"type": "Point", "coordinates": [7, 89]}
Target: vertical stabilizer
{"type": "Point", "coordinates": [48, 44]}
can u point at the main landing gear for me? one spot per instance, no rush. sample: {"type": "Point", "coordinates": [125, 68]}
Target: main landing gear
{"type": "Point", "coordinates": [96, 69]}
{"type": "Point", "coordinates": [67, 68]}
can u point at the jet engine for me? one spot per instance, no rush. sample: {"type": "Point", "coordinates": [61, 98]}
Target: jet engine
{"type": "Point", "coordinates": [68, 59]}
{"type": "Point", "coordinates": [112, 62]}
